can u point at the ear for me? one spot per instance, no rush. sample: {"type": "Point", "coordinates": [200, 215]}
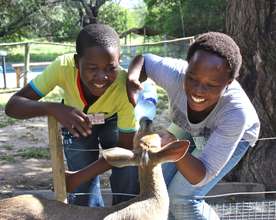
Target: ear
{"type": "Point", "coordinates": [76, 60]}
{"type": "Point", "coordinates": [120, 157]}
{"type": "Point", "coordinates": [172, 152]}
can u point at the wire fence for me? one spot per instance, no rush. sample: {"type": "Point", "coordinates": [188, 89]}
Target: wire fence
{"type": "Point", "coordinates": [171, 48]}
{"type": "Point", "coordinates": [263, 210]}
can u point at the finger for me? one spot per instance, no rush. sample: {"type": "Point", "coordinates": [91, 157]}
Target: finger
{"type": "Point", "coordinates": [132, 99]}
{"type": "Point", "coordinates": [85, 119]}
{"type": "Point", "coordinates": [71, 129]}
{"type": "Point", "coordinates": [83, 124]}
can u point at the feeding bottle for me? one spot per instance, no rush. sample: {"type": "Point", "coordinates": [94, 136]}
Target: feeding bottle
{"type": "Point", "coordinates": [146, 102]}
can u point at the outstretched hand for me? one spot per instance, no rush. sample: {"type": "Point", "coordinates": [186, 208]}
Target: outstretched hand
{"type": "Point", "coordinates": [74, 120]}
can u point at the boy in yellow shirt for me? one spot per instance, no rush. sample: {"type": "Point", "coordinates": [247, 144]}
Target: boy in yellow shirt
{"type": "Point", "coordinates": [95, 110]}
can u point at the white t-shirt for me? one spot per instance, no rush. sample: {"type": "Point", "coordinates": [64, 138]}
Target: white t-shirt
{"type": "Point", "coordinates": [233, 119]}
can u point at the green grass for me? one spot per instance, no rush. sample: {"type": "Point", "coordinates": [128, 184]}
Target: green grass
{"type": "Point", "coordinates": [38, 52]}
{"type": "Point", "coordinates": [162, 100]}
{"type": "Point", "coordinates": [6, 120]}
{"type": "Point", "coordinates": [7, 158]}
{"type": "Point", "coordinates": [54, 96]}
{"type": "Point", "coordinates": [8, 147]}
{"type": "Point", "coordinates": [46, 52]}
{"type": "Point", "coordinates": [34, 152]}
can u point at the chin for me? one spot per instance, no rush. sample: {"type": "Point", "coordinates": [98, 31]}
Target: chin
{"type": "Point", "coordinates": [197, 108]}
{"type": "Point", "coordinates": [98, 91]}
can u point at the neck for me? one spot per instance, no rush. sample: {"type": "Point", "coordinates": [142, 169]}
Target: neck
{"type": "Point", "coordinates": [89, 97]}
{"type": "Point", "coordinates": [152, 182]}
{"type": "Point", "coordinates": [196, 117]}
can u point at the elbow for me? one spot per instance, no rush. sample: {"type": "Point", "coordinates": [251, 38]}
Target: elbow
{"type": "Point", "coordinates": [8, 108]}
{"type": "Point", "coordinates": [11, 107]}
{"type": "Point", "coordinates": [199, 179]}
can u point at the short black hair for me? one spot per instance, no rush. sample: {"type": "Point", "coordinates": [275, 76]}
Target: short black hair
{"type": "Point", "coordinates": [221, 45]}
{"type": "Point", "coordinates": [96, 35]}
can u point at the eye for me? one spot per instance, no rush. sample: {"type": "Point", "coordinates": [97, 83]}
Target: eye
{"type": "Point", "coordinates": [190, 78]}
{"type": "Point", "coordinates": [112, 69]}
{"type": "Point", "coordinates": [212, 85]}
{"type": "Point", "coordinates": [92, 68]}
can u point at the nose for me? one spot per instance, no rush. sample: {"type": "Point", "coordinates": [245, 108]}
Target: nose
{"type": "Point", "coordinates": [101, 75]}
{"type": "Point", "coordinates": [200, 88]}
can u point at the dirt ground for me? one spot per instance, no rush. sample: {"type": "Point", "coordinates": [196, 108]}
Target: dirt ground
{"type": "Point", "coordinates": [20, 173]}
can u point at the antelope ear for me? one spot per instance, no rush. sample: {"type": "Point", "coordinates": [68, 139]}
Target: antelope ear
{"type": "Point", "coordinates": [172, 151]}
{"type": "Point", "coordinates": [119, 157]}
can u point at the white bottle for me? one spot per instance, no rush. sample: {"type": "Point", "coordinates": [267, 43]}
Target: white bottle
{"type": "Point", "coordinates": [146, 102]}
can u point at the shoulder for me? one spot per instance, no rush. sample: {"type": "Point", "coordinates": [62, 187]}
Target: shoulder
{"type": "Point", "coordinates": [236, 98]}
{"type": "Point", "coordinates": [121, 77]}
{"type": "Point", "coordinates": [173, 63]}
{"type": "Point", "coordinates": [66, 60]}
{"type": "Point", "coordinates": [118, 87]}
{"type": "Point", "coordinates": [236, 112]}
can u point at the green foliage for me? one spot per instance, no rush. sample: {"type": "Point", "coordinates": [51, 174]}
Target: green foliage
{"type": "Point", "coordinates": [8, 147]}
{"type": "Point", "coordinates": [6, 120]}
{"type": "Point", "coordinates": [7, 159]}
{"type": "Point", "coordinates": [113, 15]}
{"type": "Point", "coordinates": [162, 100]}
{"type": "Point", "coordinates": [204, 15]}
{"type": "Point", "coordinates": [36, 18]}
{"type": "Point", "coordinates": [60, 20]}
{"type": "Point", "coordinates": [34, 152]}
{"type": "Point", "coordinates": [180, 18]}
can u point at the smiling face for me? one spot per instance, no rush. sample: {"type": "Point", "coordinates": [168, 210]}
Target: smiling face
{"type": "Point", "coordinates": [206, 78]}
{"type": "Point", "coordinates": [98, 68]}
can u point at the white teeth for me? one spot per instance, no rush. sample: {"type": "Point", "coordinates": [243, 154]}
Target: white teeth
{"type": "Point", "coordinates": [99, 85]}
{"type": "Point", "coordinates": [197, 100]}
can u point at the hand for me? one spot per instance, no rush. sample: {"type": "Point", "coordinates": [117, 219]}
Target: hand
{"type": "Point", "coordinates": [166, 137]}
{"type": "Point", "coordinates": [73, 119]}
{"type": "Point", "coordinates": [133, 88]}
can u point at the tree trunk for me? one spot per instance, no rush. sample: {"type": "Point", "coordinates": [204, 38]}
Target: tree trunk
{"type": "Point", "coordinates": [252, 24]}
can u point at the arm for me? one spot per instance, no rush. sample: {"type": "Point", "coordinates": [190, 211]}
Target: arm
{"type": "Point", "coordinates": [75, 178]}
{"type": "Point", "coordinates": [190, 167]}
{"type": "Point", "coordinates": [24, 104]}
{"type": "Point", "coordinates": [217, 151]}
{"type": "Point", "coordinates": [136, 74]}
{"type": "Point", "coordinates": [136, 70]}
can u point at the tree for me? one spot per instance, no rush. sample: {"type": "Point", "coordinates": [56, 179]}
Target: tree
{"type": "Point", "coordinates": [16, 16]}
{"type": "Point", "coordinates": [113, 15]}
{"type": "Point", "coordinates": [49, 18]}
{"type": "Point", "coordinates": [253, 26]}
{"type": "Point", "coordinates": [180, 18]}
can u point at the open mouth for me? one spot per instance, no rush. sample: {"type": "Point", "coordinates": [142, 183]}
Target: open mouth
{"type": "Point", "coordinates": [197, 100]}
{"type": "Point", "coordinates": [99, 86]}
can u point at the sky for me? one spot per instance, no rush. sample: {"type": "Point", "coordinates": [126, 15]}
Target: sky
{"type": "Point", "coordinates": [130, 3]}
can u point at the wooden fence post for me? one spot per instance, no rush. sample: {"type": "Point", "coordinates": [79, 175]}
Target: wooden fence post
{"type": "Point", "coordinates": [57, 159]}
{"type": "Point", "coordinates": [26, 62]}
